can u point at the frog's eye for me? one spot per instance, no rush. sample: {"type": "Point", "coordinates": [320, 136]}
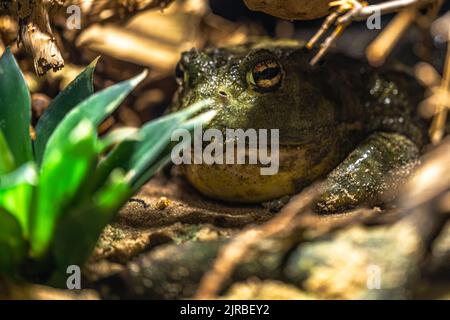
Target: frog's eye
{"type": "Point", "coordinates": [265, 75]}
{"type": "Point", "coordinates": [180, 74]}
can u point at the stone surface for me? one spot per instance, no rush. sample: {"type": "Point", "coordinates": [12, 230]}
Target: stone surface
{"type": "Point", "coordinates": [167, 210]}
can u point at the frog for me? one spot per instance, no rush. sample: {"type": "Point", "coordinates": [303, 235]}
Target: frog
{"type": "Point", "coordinates": [354, 127]}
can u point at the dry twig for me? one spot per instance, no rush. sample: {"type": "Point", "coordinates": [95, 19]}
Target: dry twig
{"type": "Point", "coordinates": [95, 11]}
{"type": "Point", "coordinates": [437, 129]}
{"type": "Point", "coordinates": [352, 10]}
{"type": "Point", "coordinates": [438, 101]}
{"type": "Point", "coordinates": [231, 254]}
{"type": "Point", "coordinates": [380, 48]}
{"type": "Point", "coordinates": [35, 31]}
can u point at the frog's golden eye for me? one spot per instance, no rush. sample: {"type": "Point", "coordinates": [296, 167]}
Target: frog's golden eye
{"type": "Point", "coordinates": [265, 75]}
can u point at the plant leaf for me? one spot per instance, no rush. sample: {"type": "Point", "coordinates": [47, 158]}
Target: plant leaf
{"type": "Point", "coordinates": [136, 156]}
{"type": "Point", "coordinates": [16, 192]}
{"type": "Point", "coordinates": [64, 170]}
{"type": "Point", "coordinates": [12, 245]}
{"type": "Point", "coordinates": [117, 136]}
{"type": "Point", "coordinates": [124, 140]}
{"type": "Point", "coordinates": [151, 171]}
{"type": "Point", "coordinates": [143, 173]}
{"type": "Point", "coordinates": [117, 158]}
{"type": "Point", "coordinates": [95, 108]}
{"type": "Point", "coordinates": [15, 109]}
{"type": "Point", "coordinates": [6, 157]}
{"type": "Point", "coordinates": [77, 91]}
{"type": "Point", "coordinates": [146, 154]}
{"type": "Point", "coordinates": [91, 218]}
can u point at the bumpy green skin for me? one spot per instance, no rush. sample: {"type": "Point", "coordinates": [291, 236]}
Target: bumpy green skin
{"type": "Point", "coordinates": [364, 118]}
{"type": "Point", "coordinates": [370, 174]}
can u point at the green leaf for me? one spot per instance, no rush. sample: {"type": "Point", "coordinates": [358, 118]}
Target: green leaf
{"type": "Point", "coordinates": [12, 245]}
{"type": "Point", "coordinates": [148, 152]}
{"type": "Point", "coordinates": [16, 192]}
{"type": "Point", "coordinates": [64, 170]}
{"type": "Point", "coordinates": [77, 91]}
{"type": "Point", "coordinates": [6, 157]}
{"type": "Point", "coordinates": [123, 141]}
{"type": "Point", "coordinates": [151, 171]}
{"type": "Point", "coordinates": [95, 108]}
{"type": "Point", "coordinates": [118, 136]}
{"type": "Point", "coordinates": [117, 158]}
{"type": "Point", "coordinates": [92, 217]}
{"type": "Point", "coordinates": [136, 156]}
{"type": "Point", "coordinates": [144, 172]}
{"type": "Point", "coordinates": [82, 225]}
{"type": "Point", "coordinates": [15, 109]}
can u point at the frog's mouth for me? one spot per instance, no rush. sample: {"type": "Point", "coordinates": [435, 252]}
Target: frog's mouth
{"type": "Point", "coordinates": [284, 138]}
{"type": "Point", "coordinates": [301, 160]}
{"type": "Point", "coordinates": [294, 133]}
{"type": "Point", "coordinates": [242, 181]}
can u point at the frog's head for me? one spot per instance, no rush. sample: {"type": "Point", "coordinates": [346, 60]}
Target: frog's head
{"type": "Point", "coordinates": [265, 85]}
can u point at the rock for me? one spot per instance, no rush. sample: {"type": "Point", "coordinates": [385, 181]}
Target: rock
{"type": "Point", "coordinates": [26, 291]}
{"type": "Point", "coordinates": [174, 271]}
{"type": "Point", "coordinates": [358, 263]}
{"type": "Point", "coordinates": [166, 211]}
{"type": "Point", "coordinates": [168, 272]}
{"type": "Point", "coordinates": [291, 9]}
{"type": "Point", "coordinates": [256, 289]}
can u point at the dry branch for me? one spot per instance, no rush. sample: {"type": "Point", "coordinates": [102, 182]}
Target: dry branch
{"type": "Point", "coordinates": [347, 11]}
{"type": "Point", "coordinates": [34, 19]}
{"type": "Point", "coordinates": [35, 33]}
{"type": "Point", "coordinates": [95, 11]}
{"type": "Point", "coordinates": [230, 255]}
{"type": "Point", "coordinates": [380, 48]}
{"type": "Point", "coordinates": [438, 125]}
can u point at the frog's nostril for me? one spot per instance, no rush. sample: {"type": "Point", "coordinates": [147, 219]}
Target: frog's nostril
{"type": "Point", "coordinates": [223, 93]}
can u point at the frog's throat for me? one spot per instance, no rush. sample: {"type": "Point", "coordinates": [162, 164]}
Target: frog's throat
{"type": "Point", "coordinates": [243, 183]}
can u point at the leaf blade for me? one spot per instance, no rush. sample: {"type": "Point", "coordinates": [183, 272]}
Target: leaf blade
{"type": "Point", "coordinates": [153, 139]}
{"type": "Point", "coordinates": [91, 217]}
{"type": "Point", "coordinates": [15, 109]}
{"type": "Point", "coordinates": [62, 174]}
{"type": "Point", "coordinates": [146, 155]}
{"type": "Point", "coordinates": [77, 91]}
{"type": "Point", "coordinates": [12, 245]}
{"type": "Point", "coordinates": [6, 157]}
{"type": "Point", "coordinates": [95, 108]}
{"type": "Point", "coordinates": [16, 192]}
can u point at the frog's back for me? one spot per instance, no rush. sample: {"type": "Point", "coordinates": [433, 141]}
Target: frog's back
{"type": "Point", "coordinates": [385, 99]}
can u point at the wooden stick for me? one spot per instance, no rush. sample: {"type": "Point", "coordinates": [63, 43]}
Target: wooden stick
{"type": "Point", "coordinates": [325, 46]}
{"type": "Point", "coordinates": [388, 7]}
{"type": "Point", "coordinates": [382, 46]}
{"type": "Point", "coordinates": [37, 38]}
{"type": "Point", "coordinates": [234, 252]}
{"type": "Point", "coordinates": [437, 129]}
{"type": "Point", "coordinates": [35, 32]}
{"type": "Point", "coordinates": [356, 12]}
{"type": "Point", "coordinates": [330, 19]}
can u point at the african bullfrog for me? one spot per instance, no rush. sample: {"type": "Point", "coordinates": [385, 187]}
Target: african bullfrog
{"type": "Point", "coordinates": [343, 121]}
